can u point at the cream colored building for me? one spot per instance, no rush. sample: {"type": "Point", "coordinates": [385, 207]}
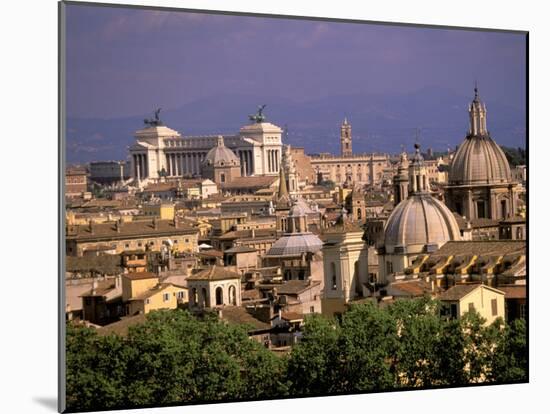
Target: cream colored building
{"type": "Point", "coordinates": [214, 286]}
{"type": "Point", "coordinates": [142, 293]}
{"type": "Point", "coordinates": [485, 300]}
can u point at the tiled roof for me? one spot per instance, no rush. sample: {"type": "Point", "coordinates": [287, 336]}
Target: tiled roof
{"type": "Point", "coordinates": [239, 316]}
{"type": "Point", "coordinates": [241, 249]}
{"type": "Point", "coordinates": [412, 288]}
{"type": "Point", "coordinates": [157, 187]}
{"type": "Point", "coordinates": [140, 276]}
{"type": "Point", "coordinates": [107, 264]}
{"type": "Point", "coordinates": [109, 231]}
{"type": "Point", "coordinates": [121, 327]}
{"type": "Point", "coordinates": [249, 182]}
{"type": "Point", "coordinates": [292, 316]}
{"type": "Point", "coordinates": [214, 273]}
{"type": "Point", "coordinates": [514, 291]}
{"type": "Point", "coordinates": [291, 287]}
{"type": "Point", "coordinates": [457, 292]}
{"type": "Point", "coordinates": [482, 248]}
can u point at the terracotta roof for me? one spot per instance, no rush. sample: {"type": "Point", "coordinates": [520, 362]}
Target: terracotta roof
{"type": "Point", "coordinates": [239, 316]}
{"type": "Point", "coordinates": [161, 287]}
{"type": "Point", "coordinates": [249, 182]}
{"type": "Point", "coordinates": [121, 327]}
{"type": "Point", "coordinates": [239, 234]}
{"type": "Point", "coordinates": [210, 253]}
{"type": "Point", "coordinates": [514, 291]}
{"type": "Point", "coordinates": [107, 264]}
{"type": "Point", "coordinates": [412, 288]}
{"type": "Point", "coordinates": [291, 287]}
{"type": "Point", "coordinates": [241, 249]}
{"type": "Point", "coordinates": [214, 273]}
{"type": "Point", "coordinates": [108, 231]}
{"type": "Point", "coordinates": [103, 287]}
{"type": "Point", "coordinates": [292, 316]}
{"type": "Point", "coordinates": [140, 276]}
{"type": "Point", "coordinates": [457, 292]}
{"type": "Point", "coordinates": [482, 248]}
{"type": "Point", "coordinates": [160, 187]}
{"type": "Point", "coordinates": [251, 294]}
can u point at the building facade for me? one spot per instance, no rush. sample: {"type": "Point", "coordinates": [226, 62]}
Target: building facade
{"type": "Point", "coordinates": [161, 150]}
{"type": "Point", "coordinates": [362, 169]}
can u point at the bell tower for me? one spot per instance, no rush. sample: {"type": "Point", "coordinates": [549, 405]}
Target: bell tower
{"type": "Point", "coordinates": [345, 139]}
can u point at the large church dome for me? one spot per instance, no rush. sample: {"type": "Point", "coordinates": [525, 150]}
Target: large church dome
{"type": "Point", "coordinates": [421, 220]}
{"type": "Point", "coordinates": [479, 160]}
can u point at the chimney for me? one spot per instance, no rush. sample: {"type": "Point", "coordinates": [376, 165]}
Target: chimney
{"type": "Point", "coordinates": [94, 286]}
{"type": "Point", "coordinates": [118, 281]}
{"type": "Point", "coordinates": [155, 224]}
{"type": "Point", "coordinates": [253, 233]}
{"type": "Point", "coordinates": [118, 225]}
{"type": "Point", "coordinates": [91, 226]}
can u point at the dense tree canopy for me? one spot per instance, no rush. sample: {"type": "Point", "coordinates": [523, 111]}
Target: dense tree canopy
{"type": "Point", "coordinates": [175, 358]}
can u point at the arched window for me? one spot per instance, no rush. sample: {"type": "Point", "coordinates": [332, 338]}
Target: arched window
{"type": "Point", "coordinates": [333, 273]}
{"type": "Point", "coordinates": [194, 296]}
{"type": "Point", "coordinates": [359, 214]}
{"type": "Point", "coordinates": [232, 295]}
{"type": "Point", "coordinates": [222, 177]}
{"type": "Point", "coordinates": [219, 296]}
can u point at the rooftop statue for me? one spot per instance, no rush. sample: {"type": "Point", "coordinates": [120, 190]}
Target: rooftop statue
{"type": "Point", "coordinates": [258, 117]}
{"type": "Point", "coordinates": [154, 121]}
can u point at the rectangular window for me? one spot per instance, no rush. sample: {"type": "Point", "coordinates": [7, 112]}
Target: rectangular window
{"type": "Point", "coordinates": [166, 297]}
{"type": "Point", "coordinates": [454, 310]}
{"type": "Point", "coordinates": [494, 308]}
{"type": "Point", "coordinates": [312, 309]}
{"type": "Point", "coordinates": [181, 294]}
{"type": "Point", "coordinates": [471, 307]}
{"type": "Point", "coordinates": [147, 301]}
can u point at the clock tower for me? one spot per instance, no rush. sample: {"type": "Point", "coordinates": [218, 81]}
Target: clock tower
{"type": "Point", "coordinates": [345, 139]}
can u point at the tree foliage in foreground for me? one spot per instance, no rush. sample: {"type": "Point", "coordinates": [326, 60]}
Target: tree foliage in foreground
{"type": "Point", "coordinates": [171, 358]}
{"type": "Point", "coordinates": [175, 358]}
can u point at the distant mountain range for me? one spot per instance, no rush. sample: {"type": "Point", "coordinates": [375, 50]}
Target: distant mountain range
{"type": "Point", "coordinates": [380, 123]}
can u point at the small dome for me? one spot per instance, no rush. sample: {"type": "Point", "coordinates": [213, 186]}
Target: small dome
{"type": "Point", "coordinates": [418, 221]}
{"type": "Point", "coordinates": [220, 155]}
{"type": "Point", "coordinates": [479, 160]}
{"type": "Point", "coordinates": [295, 244]}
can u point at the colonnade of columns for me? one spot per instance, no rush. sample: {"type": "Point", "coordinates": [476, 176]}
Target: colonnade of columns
{"type": "Point", "coordinates": [141, 168]}
{"type": "Point", "coordinates": [272, 161]}
{"type": "Point", "coordinates": [247, 162]}
{"type": "Point", "coordinates": [184, 163]}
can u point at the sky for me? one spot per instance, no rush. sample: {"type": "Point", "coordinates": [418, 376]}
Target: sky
{"type": "Point", "coordinates": [121, 62]}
